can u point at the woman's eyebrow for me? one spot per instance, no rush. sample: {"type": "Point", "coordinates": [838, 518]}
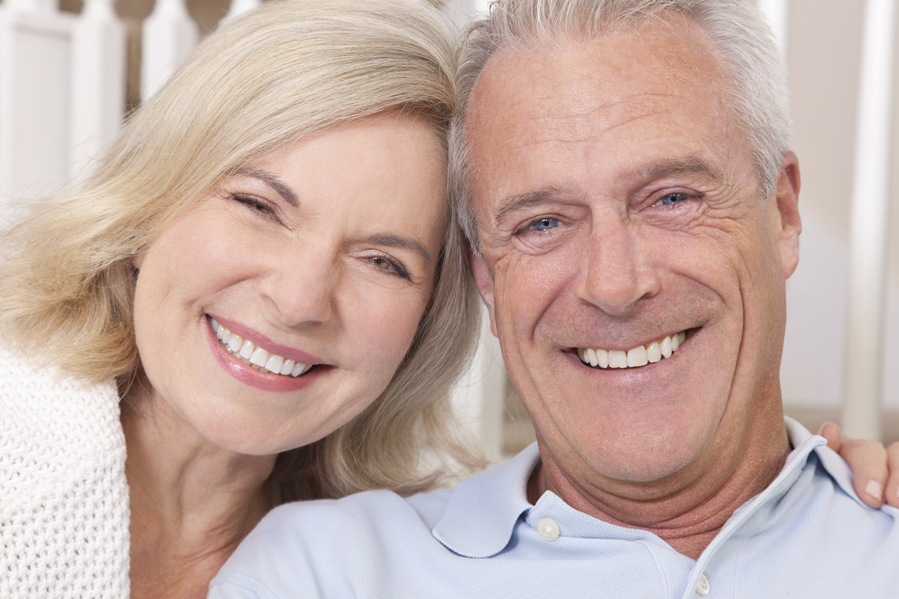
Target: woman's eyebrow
{"type": "Point", "coordinates": [272, 180]}
{"type": "Point", "coordinates": [403, 242]}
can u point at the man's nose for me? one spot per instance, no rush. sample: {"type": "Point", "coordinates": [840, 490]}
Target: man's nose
{"type": "Point", "coordinates": [300, 287]}
{"type": "Point", "coordinates": [615, 272]}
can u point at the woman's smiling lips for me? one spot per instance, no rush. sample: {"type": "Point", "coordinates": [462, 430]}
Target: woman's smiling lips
{"type": "Point", "coordinates": [255, 360]}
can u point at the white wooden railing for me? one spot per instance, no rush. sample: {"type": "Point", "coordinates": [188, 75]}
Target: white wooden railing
{"type": "Point", "coordinates": [62, 85]}
{"type": "Point", "coordinates": [869, 242]}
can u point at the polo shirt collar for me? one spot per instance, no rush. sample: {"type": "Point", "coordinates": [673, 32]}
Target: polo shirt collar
{"type": "Point", "coordinates": [482, 511]}
{"type": "Point", "coordinates": [836, 466]}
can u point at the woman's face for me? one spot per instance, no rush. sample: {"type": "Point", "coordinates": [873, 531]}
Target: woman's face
{"type": "Point", "coordinates": [321, 255]}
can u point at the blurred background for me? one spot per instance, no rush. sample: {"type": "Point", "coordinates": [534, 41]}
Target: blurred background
{"type": "Point", "coordinates": [70, 71]}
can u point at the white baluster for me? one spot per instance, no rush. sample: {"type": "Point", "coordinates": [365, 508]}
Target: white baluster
{"type": "Point", "coordinates": [778, 13]}
{"type": "Point", "coordinates": [239, 7]}
{"type": "Point", "coordinates": [461, 11]}
{"type": "Point", "coordinates": [98, 81]}
{"type": "Point", "coordinates": [33, 6]}
{"type": "Point", "coordinates": [169, 34]}
{"type": "Point", "coordinates": [479, 396]}
{"type": "Point", "coordinates": [34, 98]}
{"type": "Point", "coordinates": [868, 235]}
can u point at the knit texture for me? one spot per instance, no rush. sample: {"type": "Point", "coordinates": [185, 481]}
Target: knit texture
{"type": "Point", "coordinates": [63, 494]}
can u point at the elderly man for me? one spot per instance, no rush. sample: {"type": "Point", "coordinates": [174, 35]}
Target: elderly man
{"type": "Point", "coordinates": [632, 201]}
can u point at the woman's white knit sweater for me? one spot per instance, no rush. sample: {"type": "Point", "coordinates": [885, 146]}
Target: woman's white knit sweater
{"type": "Point", "coordinates": [63, 495]}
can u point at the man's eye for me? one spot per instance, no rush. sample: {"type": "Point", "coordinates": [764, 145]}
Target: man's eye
{"type": "Point", "coordinates": [673, 198]}
{"type": "Point", "coordinates": [544, 224]}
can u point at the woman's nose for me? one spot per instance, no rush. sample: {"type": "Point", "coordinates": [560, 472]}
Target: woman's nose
{"type": "Point", "coordinates": [300, 288]}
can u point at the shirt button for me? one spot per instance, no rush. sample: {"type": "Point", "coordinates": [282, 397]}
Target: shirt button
{"type": "Point", "coordinates": [702, 587]}
{"type": "Point", "coordinates": [548, 529]}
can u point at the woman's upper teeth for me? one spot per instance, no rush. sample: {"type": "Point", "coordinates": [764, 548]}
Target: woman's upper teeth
{"type": "Point", "coordinates": [255, 356]}
{"type": "Point", "coordinates": [632, 358]}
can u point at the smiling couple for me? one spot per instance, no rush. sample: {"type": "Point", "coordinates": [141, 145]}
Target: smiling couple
{"type": "Point", "coordinates": [262, 296]}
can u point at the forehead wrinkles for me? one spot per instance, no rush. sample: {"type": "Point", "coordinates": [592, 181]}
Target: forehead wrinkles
{"type": "Point", "coordinates": [558, 90]}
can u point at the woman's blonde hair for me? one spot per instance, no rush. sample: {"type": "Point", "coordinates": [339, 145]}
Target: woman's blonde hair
{"type": "Point", "coordinates": [260, 83]}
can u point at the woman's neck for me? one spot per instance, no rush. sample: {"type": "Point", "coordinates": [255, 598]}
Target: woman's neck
{"type": "Point", "coordinates": [191, 502]}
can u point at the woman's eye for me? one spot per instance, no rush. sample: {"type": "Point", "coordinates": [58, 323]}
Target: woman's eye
{"type": "Point", "coordinates": [380, 262]}
{"type": "Point", "coordinates": [544, 224]}
{"type": "Point", "coordinates": [673, 198]}
{"type": "Point", "coordinates": [388, 266]}
{"type": "Point", "coordinates": [255, 204]}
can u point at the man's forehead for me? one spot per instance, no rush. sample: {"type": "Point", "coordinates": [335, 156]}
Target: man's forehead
{"type": "Point", "coordinates": [546, 99]}
{"type": "Point", "coordinates": [539, 77]}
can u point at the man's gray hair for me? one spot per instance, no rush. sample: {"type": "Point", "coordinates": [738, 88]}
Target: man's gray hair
{"type": "Point", "coordinates": [758, 93]}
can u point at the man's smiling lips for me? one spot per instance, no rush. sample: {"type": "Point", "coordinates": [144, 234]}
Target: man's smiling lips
{"type": "Point", "coordinates": [635, 357]}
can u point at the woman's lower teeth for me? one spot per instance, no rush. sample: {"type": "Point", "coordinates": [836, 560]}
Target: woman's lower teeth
{"type": "Point", "coordinates": [256, 357]}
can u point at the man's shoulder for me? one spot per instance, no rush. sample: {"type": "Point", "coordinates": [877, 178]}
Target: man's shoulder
{"type": "Point", "coordinates": [315, 548]}
{"type": "Point", "coordinates": [354, 514]}
{"type": "Point", "coordinates": [375, 538]}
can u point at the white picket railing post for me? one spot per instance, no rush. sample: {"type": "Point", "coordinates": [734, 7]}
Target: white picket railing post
{"type": "Point", "coordinates": [479, 396]}
{"type": "Point", "coordinates": [869, 224]}
{"type": "Point", "coordinates": [169, 34]}
{"type": "Point", "coordinates": [238, 7]}
{"type": "Point", "coordinates": [98, 81]}
{"type": "Point", "coordinates": [34, 6]}
{"type": "Point", "coordinates": [460, 11]}
{"type": "Point", "coordinates": [778, 14]}
{"type": "Point", "coordinates": [34, 98]}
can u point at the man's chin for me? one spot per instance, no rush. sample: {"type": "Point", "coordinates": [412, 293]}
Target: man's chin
{"type": "Point", "coordinates": [648, 468]}
{"type": "Point", "coordinates": [634, 462]}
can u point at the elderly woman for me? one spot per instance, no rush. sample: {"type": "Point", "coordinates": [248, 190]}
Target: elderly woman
{"type": "Point", "coordinates": [259, 296]}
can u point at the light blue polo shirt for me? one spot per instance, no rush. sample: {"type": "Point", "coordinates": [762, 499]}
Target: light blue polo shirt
{"type": "Point", "coordinates": [806, 535]}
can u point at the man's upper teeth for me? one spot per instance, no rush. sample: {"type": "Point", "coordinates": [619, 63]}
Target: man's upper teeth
{"type": "Point", "coordinates": [255, 356]}
{"type": "Point", "coordinates": [632, 358]}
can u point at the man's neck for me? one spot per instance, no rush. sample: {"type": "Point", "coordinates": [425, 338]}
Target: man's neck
{"type": "Point", "coordinates": [686, 510]}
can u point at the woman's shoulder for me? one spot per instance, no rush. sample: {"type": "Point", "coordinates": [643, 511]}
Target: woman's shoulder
{"type": "Point", "coordinates": [63, 493]}
{"type": "Point", "coordinates": [39, 405]}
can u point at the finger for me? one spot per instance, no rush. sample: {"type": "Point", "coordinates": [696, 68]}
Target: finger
{"type": "Point", "coordinates": [892, 489]}
{"type": "Point", "coordinates": [832, 433]}
{"type": "Point", "coordinates": [868, 460]}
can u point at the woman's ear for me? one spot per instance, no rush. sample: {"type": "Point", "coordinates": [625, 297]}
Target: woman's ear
{"type": "Point", "coordinates": [137, 257]}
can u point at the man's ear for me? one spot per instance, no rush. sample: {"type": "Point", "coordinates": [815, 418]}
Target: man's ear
{"type": "Point", "coordinates": [483, 279]}
{"type": "Point", "coordinates": [787, 224]}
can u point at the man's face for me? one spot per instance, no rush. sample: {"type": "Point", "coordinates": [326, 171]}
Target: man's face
{"type": "Point", "coordinates": [617, 206]}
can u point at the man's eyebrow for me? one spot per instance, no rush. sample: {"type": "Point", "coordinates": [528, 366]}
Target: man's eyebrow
{"type": "Point", "coordinates": [680, 166]}
{"type": "Point", "coordinates": [270, 179]}
{"type": "Point", "coordinates": [403, 242]}
{"type": "Point", "coordinates": [656, 170]}
{"type": "Point", "coordinates": [520, 202]}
